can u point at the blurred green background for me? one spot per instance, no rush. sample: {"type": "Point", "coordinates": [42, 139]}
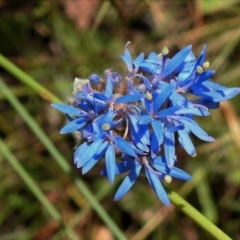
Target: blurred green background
{"type": "Point", "coordinates": [56, 41]}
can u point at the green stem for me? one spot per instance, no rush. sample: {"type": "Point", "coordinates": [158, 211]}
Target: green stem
{"type": "Point", "coordinates": [201, 220]}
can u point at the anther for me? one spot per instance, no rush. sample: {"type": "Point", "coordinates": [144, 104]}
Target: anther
{"type": "Point", "coordinates": [206, 65]}
{"type": "Point", "coordinates": [165, 51]}
{"type": "Point", "coordinates": [167, 179]}
{"type": "Point", "coordinates": [106, 127]}
{"type": "Point", "coordinates": [148, 96]}
{"type": "Point", "coordinates": [199, 70]}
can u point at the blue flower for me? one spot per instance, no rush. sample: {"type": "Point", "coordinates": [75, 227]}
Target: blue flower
{"type": "Point", "coordinates": [135, 122]}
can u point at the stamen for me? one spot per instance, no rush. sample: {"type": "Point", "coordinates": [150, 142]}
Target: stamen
{"type": "Point", "coordinates": [148, 96]}
{"type": "Point", "coordinates": [206, 65]}
{"type": "Point", "coordinates": [167, 179]}
{"type": "Point", "coordinates": [106, 127]}
{"type": "Point", "coordinates": [199, 70]}
{"type": "Point", "coordinates": [165, 51]}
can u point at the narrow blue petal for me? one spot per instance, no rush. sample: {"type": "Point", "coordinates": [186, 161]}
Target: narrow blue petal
{"type": "Point", "coordinates": [138, 61]}
{"type": "Point", "coordinates": [89, 152]}
{"type": "Point", "coordinates": [141, 130]}
{"type": "Point", "coordinates": [229, 93]}
{"type": "Point", "coordinates": [158, 131]}
{"type": "Point", "coordinates": [186, 142]}
{"type": "Point", "coordinates": [154, 145]}
{"type": "Point", "coordinates": [207, 103]}
{"type": "Point", "coordinates": [136, 139]}
{"type": "Point", "coordinates": [110, 162]}
{"type": "Point", "coordinates": [67, 109]}
{"type": "Point", "coordinates": [176, 128]}
{"type": "Point", "coordinates": [174, 172]}
{"type": "Point", "coordinates": [195, 111]}
{"type": "Point", "coordinates": [100, 96]}
{"type": "Point", "coordinates": [129, 98]}
{"type": "Point", "coordinates": [124, 146]}
{"type": "Point", "coordinates": [205, 76]}
{"type": "Point", "coordinates": [128, 182]}
{"type": "Point", "coordinates": [145, 119]}
{"type": "Point", "coordinates": [122, 167]}
{"type": "Point", "coordinates": [79, 152]}
{"type": "Point", "coordinates": [169, 148]}
{"type": "Point", "coordinates": [126, 57]}
{"type": "Point", "coordinates": [196, 129]}
{"type": "Point", "coordinates": [109, 85]}
{"type": "Point", "coordinates": [168, 111]}
{"type": "Point", "coordinates": [157, 186]}
{"type": "Point", "coordinates": [88, 166]}
{"type": "Point", "coordinates": [161, 98]}
{"type": "Point", "coordinates": [149, 67]}
{"type": "Point", "coordinates": [200, 60]}
{"type": "Point", "coordinates": [107, 117]}
{"type": "Point", "coordinates": [74, 125]}
{"type": "Point", "coordinates": [176, 61]}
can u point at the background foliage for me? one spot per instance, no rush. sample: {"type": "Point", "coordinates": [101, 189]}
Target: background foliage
{"type": "Point", "coordinates": [56, 41]}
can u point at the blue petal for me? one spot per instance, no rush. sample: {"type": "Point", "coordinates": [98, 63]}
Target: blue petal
{"type": "Point", "coordinates": [186, 142]}
{"type": "Point", "coordinates": [79, 152]}
{"type": "Point", "coordinates": [157, 186]}
{"type": "Point", "coordinates": [107, 117]}
{"type": "Point", "coordinates": [141, 130]}
{"type": "Point", "coordinates": [229, 93]}
{"type": "Point", "coordinates": [89, 152]}
{"type": "Point", "coordinates": [149, 67]}
{"type": "Point", "coordinates": [138, 61]}
{"type": "Point", "coordinates": [88, 166]}
{"type": "Point", "coordinates": [205, 75]}
{"type": "Point", "coordinates": [201, 58]}
{"type": "Point", "coordinates": [124, 146]}
{"type": "Point", "coordinates": [161, 98]}
{"type": "Point", "coordinates": [67, 109]}
{"type": "Point", "coordinates": [128, 182]}
{"type": "Point", "coordinates": [109, 85]}
{"type": "Point", "coordinates": [100, 96]}
{"type": "Point", "coordinates": [154, 145]}
{"type": "Point", "coordinates": [126, 57]}
{"type": "Point", "coordinates": [158, 131]}
{"type": "Point", "coordinates": [74, 125]}
{"type": "Point", "coordinates": [176, 128]}
{"type": "Point", "coordinates": [110, 162]}
{"type": "Point", "coordinates": [176, 61]}
{"type": "Point", "coordinates": [121, 167]}
{"type": "Point", "coordinates": [145, 119]}
{"type": "Point", "coordinates": [174, 172]}
{"type": "Point", "coordinates": [169, 148]}
{"type": "Point", "coordinates": [195, 111]}
{"type": "Point", "coordinates": [168, 111]}
{"type": "Point", "coordinates": [129, 98]}
{"type": "Point", "coordinates": [196, 129]}
{"type": "Point", "coordinates": [136, 139]}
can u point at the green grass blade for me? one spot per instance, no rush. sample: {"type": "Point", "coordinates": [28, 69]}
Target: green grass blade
{"type": "Point", "coordinates": [34, 188]}
{"type": "Point", "coordinates": [201, 220]}
{"type": "Point", "coordinates": [28, 80]}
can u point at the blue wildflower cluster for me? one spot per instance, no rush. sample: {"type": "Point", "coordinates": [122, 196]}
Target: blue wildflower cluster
{"type": "Point", "coordinates": [134, 122]}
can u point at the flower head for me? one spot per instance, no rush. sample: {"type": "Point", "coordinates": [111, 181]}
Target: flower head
{"type": "Point", "coordinates": [134, 122]}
